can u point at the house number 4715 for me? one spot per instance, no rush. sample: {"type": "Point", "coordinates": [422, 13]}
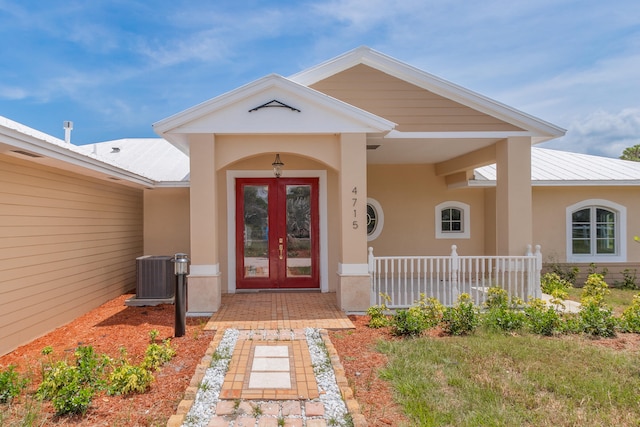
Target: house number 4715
{"type": "Point", "coordinates": [355, 211]}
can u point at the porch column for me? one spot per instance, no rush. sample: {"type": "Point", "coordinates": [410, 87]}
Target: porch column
{"type": "Point", "coordinates": [204, 288]}
{"type": "Point", "coordinates": [514, 220]}
{"type": "Point", "coordinates": [353, 276]}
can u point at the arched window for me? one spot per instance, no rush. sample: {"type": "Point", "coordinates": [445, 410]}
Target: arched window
{"type": "Point", "coordinates": [596, 231]}
{"type": "Point", "coordinates": [375, 219]}
{"type": "Point", "coordinates": [453, 220]}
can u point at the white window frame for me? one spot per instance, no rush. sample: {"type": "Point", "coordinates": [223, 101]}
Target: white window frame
{"type": "Point", "coordinates": [620, 237]}
{"type": "Point", "coordinates": [380, 219]}
{"type": "Point", "coordinates": [466, 220]}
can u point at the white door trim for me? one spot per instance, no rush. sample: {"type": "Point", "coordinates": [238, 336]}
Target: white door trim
{"type": "Point", "coordinates": [231, 219]}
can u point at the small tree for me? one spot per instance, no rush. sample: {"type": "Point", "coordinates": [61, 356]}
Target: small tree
{"type": "Point", "coordinates": [631, 153]}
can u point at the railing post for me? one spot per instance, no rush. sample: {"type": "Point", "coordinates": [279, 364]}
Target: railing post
{"type": "Point", "coordinates": [372, 276]}
{"type": "Point", "coordinates": [538, 254]}
{"type": "Point", "coordinates": [371, 261]}
{"type": "Point", "coordinates": [455, 271]}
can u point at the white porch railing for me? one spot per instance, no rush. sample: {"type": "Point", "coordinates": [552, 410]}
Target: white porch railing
{"type": "Point", "coordinates": [405, 278]}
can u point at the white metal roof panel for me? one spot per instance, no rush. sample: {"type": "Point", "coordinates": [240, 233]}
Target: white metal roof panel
{"type": "Point", "coordinates": [154, 158]}
{"type": "Point", "coordinates": [564, 167]}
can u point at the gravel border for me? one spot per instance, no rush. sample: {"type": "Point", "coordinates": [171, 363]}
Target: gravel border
{"type": "Point", "coordinates": [330, 396]}
{"type": "Point", "coordinates": [204, 405]}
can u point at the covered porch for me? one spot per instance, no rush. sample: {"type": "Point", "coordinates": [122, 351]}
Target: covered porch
{"type": "Point", "coordinates": [364, 130]}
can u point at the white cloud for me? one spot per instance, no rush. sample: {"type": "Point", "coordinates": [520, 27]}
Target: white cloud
{"type": "Point", "coordinates": [12, 93]}
{"type": "Point", "coordinates": [602, 132]}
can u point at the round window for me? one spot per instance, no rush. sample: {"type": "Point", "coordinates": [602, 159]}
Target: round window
{"type": "Point", "coordinates": [375, 219]}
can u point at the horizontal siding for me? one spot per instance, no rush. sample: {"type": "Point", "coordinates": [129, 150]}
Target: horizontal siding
{"type": "Point", "coordinates": [68, 243]}
{"type": "Point", "coordinates": [414, 109]}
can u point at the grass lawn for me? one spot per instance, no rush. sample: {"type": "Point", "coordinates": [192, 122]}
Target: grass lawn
{"type": "Point", "coordinates": [618, 299]}
{"type": "Point", "coordinates": [502, 380]}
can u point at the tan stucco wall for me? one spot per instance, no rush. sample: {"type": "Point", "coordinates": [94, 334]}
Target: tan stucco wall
{"type": "Point", "coordinates": [166, 221]}
{"type": "Point", "coordinates": [408, 195]}
{"type": "Point", "coordinates": [411, 107]}
{"type": "Point", "coordinates": [68, 243]}
{"type": "Point", "coordinates": [549, 216]}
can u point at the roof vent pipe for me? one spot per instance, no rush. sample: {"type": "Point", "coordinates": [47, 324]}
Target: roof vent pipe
{"type": "Point", "coordinates": [68, 126]}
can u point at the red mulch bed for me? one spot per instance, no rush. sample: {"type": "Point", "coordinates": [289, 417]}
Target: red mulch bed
{"type": "Point", "coordinates": [361, 363]}
{"type": "Point", "coordinates": [113, 326]}
{"type": "Point", "coordinates": [108, 328]}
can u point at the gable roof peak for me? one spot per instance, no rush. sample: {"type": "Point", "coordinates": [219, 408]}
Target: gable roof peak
{"type": "Point", "coordinates": [422, 79]}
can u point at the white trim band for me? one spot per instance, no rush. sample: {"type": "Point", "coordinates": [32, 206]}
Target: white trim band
{"type": "Point", "coordinates": [204, 270]}
{"type": "Point", "coordinates": [353, 269]}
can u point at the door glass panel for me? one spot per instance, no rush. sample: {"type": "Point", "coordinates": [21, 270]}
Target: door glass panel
{"type": "Point", "coordinates": [256, 231]}
{"type": "Point", "coordinates": [298, 230]}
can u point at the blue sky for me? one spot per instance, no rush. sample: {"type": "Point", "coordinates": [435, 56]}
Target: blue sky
{"type": "Point", "coordinates": [115, 67]}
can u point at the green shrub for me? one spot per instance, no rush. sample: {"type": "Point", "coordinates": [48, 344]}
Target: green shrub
{"type": "Point", "coordinates": [501, 315]}
{"type": "Point", "coordinates": [432, 310]}
{"type": "Point", "coordinates": [496, 298]}
{"type": "Point", "coordinates": [593, 269]}
{"type": "Point", "coordinates": [461, 319]}
{"type": "Point", "coordinates": [594, 290]}
{"type": "Point", "coordinates": [597, 320]}
{"type": "Point", "coordinates": [72, 398]}
{"type": "Point", "coordinates": [567, 273]}
{"type": "Point", "coordinates": [11, 384]}
{"type": "Point", "coordinates": [64, 385]}
{"type": "Point", "coordinates": [409, 322]}
{"type": "Point", "coordinates": [629, 278]}
{"type": "Point", "coordinates": [554, 285]}
{"type": "Point", "coordinates": [127, 379]}
{"type": "Point", "coordinates": [157, 355]}
{"type": "Point", "coordinates": [378, 314]}
{"type": "Point", "coordinates": [504, 319]}
{"type": "Point", "coordinates": [541, 319]}
{"type": "Point", "coordinates": [630, 319]}
{"type": "Point", "coordinates": [91, 366]}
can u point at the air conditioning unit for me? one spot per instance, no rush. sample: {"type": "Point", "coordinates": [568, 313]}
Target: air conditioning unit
{"type": "Point", "coordinates": [155, 277]}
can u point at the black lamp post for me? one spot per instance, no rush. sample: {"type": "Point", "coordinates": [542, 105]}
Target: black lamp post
{"type": "Point", "coordinates": [181, 269]}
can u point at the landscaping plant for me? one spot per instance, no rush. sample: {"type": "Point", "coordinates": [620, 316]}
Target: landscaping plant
{"type": "Point", "coordinates": [378, 313]}
{"type": "Point", "coordinates": [11, 384]}
{"type": "Point", "coordinates": [630, 319]}
{"type": "Point", "coordinates": [410, 322]}
{"type": "Point", "coordinates": [554, 285]}
{"type": "Point", "coordinates": [461, 319]}
{"type": "Point", "coordinates": [71, 386]}
{"type": "Point", "coordinates": [502, 315]}
{"type": "Point", "coordinates": [596, 318]}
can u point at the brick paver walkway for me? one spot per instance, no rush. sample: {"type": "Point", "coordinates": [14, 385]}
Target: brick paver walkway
{"type": "Point", "coordinates": [279, 310]}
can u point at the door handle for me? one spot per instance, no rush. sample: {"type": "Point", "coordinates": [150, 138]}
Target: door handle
{"type": "Point", "coordinates": [280, 247]}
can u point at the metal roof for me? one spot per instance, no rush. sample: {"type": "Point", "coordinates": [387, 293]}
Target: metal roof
{"type": "Point", "coordinates": [554, 167]}
{"type": "Point", "coordinates": [154, 158]}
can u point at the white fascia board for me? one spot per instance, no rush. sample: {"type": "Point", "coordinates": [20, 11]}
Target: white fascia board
{"type": "Point", "coordinates": [172, 125]}
{"type": "Point", "coordinates": [63, 152]}
{"type": "Point", "coordinates": [556, 183]}
{"type": "Point", "coordinates": [394, 134]}
{"type": "Point", "coordinates": [173, 184]}
{"type": "Point", "coordinates": [432, 83]}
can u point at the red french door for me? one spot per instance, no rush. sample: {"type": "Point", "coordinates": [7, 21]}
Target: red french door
{"type": "Point", "coordinates": [277, 241]}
